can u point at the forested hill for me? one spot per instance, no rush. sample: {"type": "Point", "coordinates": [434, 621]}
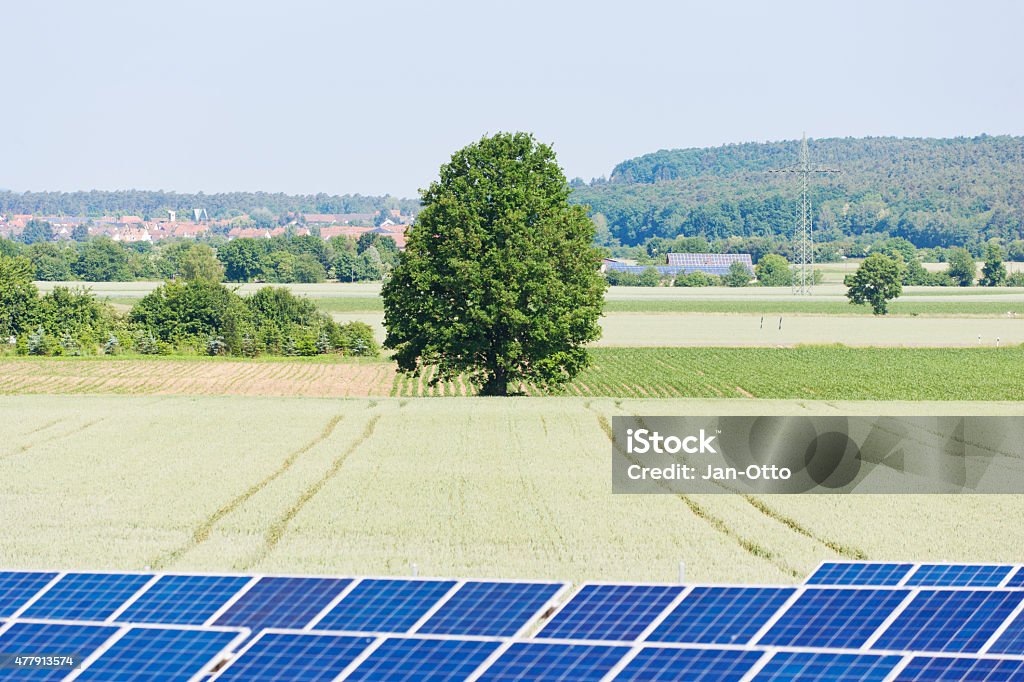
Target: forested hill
{"type": "Point", "coordinates": [934, 192]}
{"type": "Point", "coordinates": [222, 205]}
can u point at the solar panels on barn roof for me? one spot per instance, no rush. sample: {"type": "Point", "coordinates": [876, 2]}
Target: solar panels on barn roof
{"type": "Point", "coordinates": [709, 260]}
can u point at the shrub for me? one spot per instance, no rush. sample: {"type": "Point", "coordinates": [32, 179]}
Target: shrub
{"type": "Point", "coordinates": [696, 279]}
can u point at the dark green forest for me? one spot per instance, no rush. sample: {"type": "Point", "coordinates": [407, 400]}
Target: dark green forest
{"type": "Point", "coordinates": [154, 204]}
{"type": "Point", "coordinates": [932, 192]}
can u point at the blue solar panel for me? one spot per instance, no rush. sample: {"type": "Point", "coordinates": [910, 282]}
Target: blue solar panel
{"type": "Point", "coordinates": [555, 662]}
{"type": "Point", "coordinates": [949, 620]}
{"type": "Point", "coordinates": [839, 618]}
{"type": "Point", "coordinates": [1017, 580]}
{"type": "Point", "coordinates": [854, 573]}
{"type": "Point", "coordinates": [1011, 641]}
{"type": "Point", "coordinates": [958, 575]}
{"type": "Point", "coordinates": [423, 660]}
{"type": "Point", "coordinates": [692, 665]}
{"type": "Point", "coordinates": [281, 657]}
{"type": "Point", "coordinates": [86, 596]}
{"type": "Point", "coordinates": [610, 612]}
{"type": "Point", "coordinates": [158, 655]}
{"type": "Point", "coordinates": [721, 615]}
{"type": "Point", "coordinates": [385, 605]}
{"type": "Point", "coordinates": [787, 666]}
{"type": "Point", "coordinates": [957, 669]}
{"type": "Point", "coordinates": [282, 602]}
{"type": "Point", "coordinates": [49, 639]}
{"type": "Point", "coordinates": [183, 599]}
{"type": "Point", "coordinates": [18, 587]}
{"type": "Point", "coordinates": [496, 609]}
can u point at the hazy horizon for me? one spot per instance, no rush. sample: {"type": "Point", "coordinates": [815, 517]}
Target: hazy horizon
{"type": "Point", "coordinates": [315, 96]}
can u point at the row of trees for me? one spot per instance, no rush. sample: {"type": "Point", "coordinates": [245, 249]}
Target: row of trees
{"type": "Point", "coordinates": [283, 259]}
{"type": "Point", "coordinates": [194, 316]}
{"type": "Point", "coordinates": [155, 204]}
{"type": "Point", "coordinates": [881, 276]}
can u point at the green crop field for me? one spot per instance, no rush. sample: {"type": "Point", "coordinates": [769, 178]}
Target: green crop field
{"type": "Point", "coordinates": [808, 373]}
{"type": "Point", "coordinates": [464, 486]}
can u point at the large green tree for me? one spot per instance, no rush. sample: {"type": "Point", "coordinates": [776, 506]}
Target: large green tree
{"type": "Point", "coordinates": [499, 279]}
{"type": "Point", "coordinates": [876, 282]}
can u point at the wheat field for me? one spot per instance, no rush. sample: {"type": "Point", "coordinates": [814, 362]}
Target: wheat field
{"type": "Point", "coordinates": [458, 486]}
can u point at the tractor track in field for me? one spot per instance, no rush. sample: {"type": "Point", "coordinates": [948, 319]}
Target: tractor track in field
{"type": "Point", "coordinates": [749, 546]}
{"type": "Point", "coordinates": [202, 532]}
{"type": "Point", "coordinates": [795, 526]}
{"type": "Point", "coordinates": [277, 529]}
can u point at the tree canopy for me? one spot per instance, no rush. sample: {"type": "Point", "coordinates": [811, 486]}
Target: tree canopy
{"type": "Point", "coordinates": [499, 279]}
{"type": "Point", "coordinates": [876, 282]}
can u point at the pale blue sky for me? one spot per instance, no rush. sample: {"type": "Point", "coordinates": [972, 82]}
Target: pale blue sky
{"type": "Point", "coordinates": [370, 97]}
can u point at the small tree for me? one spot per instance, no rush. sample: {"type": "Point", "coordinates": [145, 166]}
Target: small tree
{"type": "Point", "coordinates": [877, 281]}
{"type": "Point", "coordinates": [738, 275]}
{"type": "Point", "coordinates": [499, 278]}
{"type": "Point", "coordinates": [773, 271]}
{"type": "Point", "coordinates": [962, 268]}
{"type": "Point", "coordinates": [993, 273]}
{"type": "Point", "coordinates": [199, 262]}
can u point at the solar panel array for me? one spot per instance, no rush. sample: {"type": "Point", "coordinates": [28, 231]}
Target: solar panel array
{"type": "Point", "coordinates": [713, 260]}
{"type": "Point", "coordinates": [848, 621]}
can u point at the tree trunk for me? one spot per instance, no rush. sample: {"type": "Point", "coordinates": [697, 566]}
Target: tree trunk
{"type": "Point", "coordinates": [496, 384]}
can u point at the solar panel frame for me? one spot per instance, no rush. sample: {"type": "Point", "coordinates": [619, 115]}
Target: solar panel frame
{"type": "Point", "coordinates": [812, 613]}
{"type": "Point", "coordinates": [1015, 579]}
{"type": "Point", "coordinates": [74, 596]}
{"type": "Point", "coordinates": [449, 659]}
{"type": "Point", "coordinates": [691, 663]}
{"type": "Point", "coordinates": [101, 634]}
{"type": "Point", "coordinates": [252, 608]}
{"type": "Point", "coordinates": [959, 575]}
{"type": "Point", "coordinates": [909, 630]}
{"type": "Point", "coordinates": [826, 667]}
{"type": "Point", "coordinates": [554, 661]}
{"type": "Point", "coordinates": [1009, 637]}
{"type": "Point", "coordinates": [30, 585]}
{"type": "Point", "coordinates": [202, 663]}
{"type": "Point", "coordinates": [851, 573]}
{"type": "Point", "coordinates": [154, 600]}
{"type": "Point", "coordinates": [699, 618]}
{"type": "Point", "coordinates": [552, 628]}
{"type": "Point", "coordinates": [956, 668]}
{"type": "Point", "coordinates": [439, 622]}
{"type": "Point", "coordinates": [368, 610]}
{"type": "Point", "coordinates": [240, 665]}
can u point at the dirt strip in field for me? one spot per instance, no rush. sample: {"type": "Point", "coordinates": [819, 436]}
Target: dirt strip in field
{"type": "Point", "coordinates": [157, 377]}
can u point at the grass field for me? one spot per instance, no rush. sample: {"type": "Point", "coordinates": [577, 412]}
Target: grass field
{"type": "Point", "coordinates": [809, 373]}
{"type": "Point", "coordinates": [467, 487]}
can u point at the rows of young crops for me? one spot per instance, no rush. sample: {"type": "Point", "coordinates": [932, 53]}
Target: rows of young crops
{"type": "Point", "coordinates": [805, 372]}
{"type": "Point", "coordinates": [811, 372]}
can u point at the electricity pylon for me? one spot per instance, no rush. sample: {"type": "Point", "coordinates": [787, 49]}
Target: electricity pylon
{"type": "Point", "coordinates": [803, 278]}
